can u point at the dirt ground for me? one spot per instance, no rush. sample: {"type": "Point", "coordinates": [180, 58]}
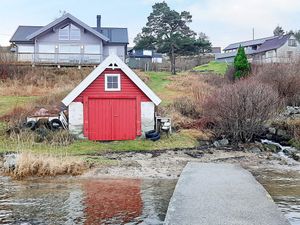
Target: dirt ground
{"type": "Point", "coordinates": [169, 164]}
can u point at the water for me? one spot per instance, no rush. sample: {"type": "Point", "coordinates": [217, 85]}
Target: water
{"type": "Point", "coordinates": [284, 187]}
{"type": "Point", "coordinates": [120, 201]}
{"type": "Point", "coordinates": [73, 201]}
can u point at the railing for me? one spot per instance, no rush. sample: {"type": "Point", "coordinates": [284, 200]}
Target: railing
{"type": "Point", "coordinates": [62, 58]}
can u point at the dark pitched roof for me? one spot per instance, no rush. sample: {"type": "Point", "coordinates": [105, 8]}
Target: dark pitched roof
{"type": "Point", "coordinates": [110, 34]}
{"type": "Point", "coordinates": [115, 34]}
{"type": "Point", "coordinates": [274, 43]}
{"type": "Point", "coordinates": [22, 32]}
{"type": "Point", "coordinates": [247, 43]}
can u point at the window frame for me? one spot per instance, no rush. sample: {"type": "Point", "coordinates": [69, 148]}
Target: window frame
{"type": "Point", "coordinates": [292, 43]}
{"type": "Point", "coordinates": [112, 75]}
{"type": "Point", "coordinates": [69, 35]}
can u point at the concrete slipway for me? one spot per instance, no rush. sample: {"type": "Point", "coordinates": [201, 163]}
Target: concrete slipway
{"type": "Point", "coordinates": [221, 194]}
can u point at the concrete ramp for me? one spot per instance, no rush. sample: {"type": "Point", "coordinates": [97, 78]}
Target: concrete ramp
{"type": "Point", "coordinates": [221, 194]}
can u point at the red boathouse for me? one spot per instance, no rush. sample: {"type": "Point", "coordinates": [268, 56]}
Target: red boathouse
{"type": "Point", "coordinates": [111, 103]}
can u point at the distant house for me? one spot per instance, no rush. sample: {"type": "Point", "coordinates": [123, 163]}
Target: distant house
{"type": "Point", "coordinates": [143, 58]}
{"type": "Point", "coordinates": [274, 49]}
{"type": "Point", "coordinates": [145, 54]}
{"type": "Point", "coordinates": [67, 40]}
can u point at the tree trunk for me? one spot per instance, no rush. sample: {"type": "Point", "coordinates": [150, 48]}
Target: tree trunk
{"type": "Point", "coordinates": [172, 59]}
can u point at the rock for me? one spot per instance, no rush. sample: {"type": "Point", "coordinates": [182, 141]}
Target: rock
{"type": "Point", "coordinates": [296, 156]}
{"type": "Point", "coordinates": [282, 133]}
{"type": "Point", "coordinates": [272, 148]}
{"type": "Point", "coordinates": [221, 143]}
{"type": "Point", "coordinates": [10, 162]}
{"type": "Point", "coordinates": [291, 110]}
{"type": "Point", "coordinates": [272, 130]}
{"type": "Point", "coordinates": [195, 154]}
{"type": "Point", "coordinates": [255, 150]}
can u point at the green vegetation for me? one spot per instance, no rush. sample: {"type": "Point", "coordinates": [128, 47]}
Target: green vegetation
{"type": "Point", "coordinates": [85, 147]}
{"type": "Point", "coordinates": [241, 64]}
{"type": "Point", "coordinates": [7, 103]}
{"type": "Point", "coordinates": [213, 67]}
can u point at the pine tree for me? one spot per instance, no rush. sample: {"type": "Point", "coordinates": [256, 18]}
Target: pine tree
{"type": "Point", "coordinates": [241, 64]}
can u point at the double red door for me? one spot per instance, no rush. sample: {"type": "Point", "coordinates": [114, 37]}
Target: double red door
{"type": "Point", "coordinates": [111, 119]}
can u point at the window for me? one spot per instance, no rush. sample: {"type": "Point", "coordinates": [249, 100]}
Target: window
{"type": "Point", "coordinates": [74, 33]}
{"type": "Point", "coordinates": [25, 48]}
{"type": "Point", "coordinates": [92, 49]}
{"type": "Point", "coordinates": [66, 48]}
{"type": "Point", "coordinates": [112, 82]}
{"type": "Point", "coordinates": [43, 48]}
{"type": "Point", "coordinates": [292, 43]}
{"type": "Point", "coordinates": [64, 33]}
{"type": "Point", "coordinates": [69, 32]}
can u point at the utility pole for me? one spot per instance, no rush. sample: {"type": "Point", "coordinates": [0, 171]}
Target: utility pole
{"type": "Point", "coordinates": [253, 33]}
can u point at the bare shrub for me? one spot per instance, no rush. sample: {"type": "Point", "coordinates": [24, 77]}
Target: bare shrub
{"type": "Point", "coordinates": [284, 78]}
{"type": "Point", "coordinates": [29, 164]}
{"type": "Point", "coordinates": [229, 75]}
{"type": "Point", "coordinates": [187, 107]}
{"type": "Point", "coordinates": [240, 109]}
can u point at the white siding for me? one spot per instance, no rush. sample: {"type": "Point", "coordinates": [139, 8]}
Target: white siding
{"type": "Point", "coordinates": [147, 112]}
{"type": "Point", "coordinates": [76, 118]}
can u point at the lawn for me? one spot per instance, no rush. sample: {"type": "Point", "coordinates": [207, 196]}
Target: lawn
{"type": "Point", "coordinates": [85, 147]}
{"type": "Point", "coordinates": [212, 67]}
{"type": "Point", "coordinates": [7, 103]}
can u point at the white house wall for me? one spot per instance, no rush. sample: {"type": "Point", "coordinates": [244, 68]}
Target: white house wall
{"type": "Point", "coordinates": [76, 119]}
{"type": "Point", "coordinates": [147, 112]}
{"type": "Point", "coordinates": [282, 52]}
{"type": "Point", "coordinates": [114, 49]}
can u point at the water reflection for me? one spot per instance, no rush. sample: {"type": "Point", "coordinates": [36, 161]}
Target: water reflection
{"type": "Point", "coordinates": [284, 187]}
{"type": "Point", "coordinates": [112, 201]}
{"type": "Point", "coordinates": [73, 201]}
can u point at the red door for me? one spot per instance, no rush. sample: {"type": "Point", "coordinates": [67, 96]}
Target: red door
{"type": "Point", "coordinates": [111, 119]}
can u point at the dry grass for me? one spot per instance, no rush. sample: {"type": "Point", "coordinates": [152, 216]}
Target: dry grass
{"type": "Point", "coordinates": [41, 81]}
{"type": "Point", "coordinates": [29, 165]}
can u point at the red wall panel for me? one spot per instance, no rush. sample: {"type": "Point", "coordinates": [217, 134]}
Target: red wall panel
{"type": "Point", "coordinates": [128, 88]}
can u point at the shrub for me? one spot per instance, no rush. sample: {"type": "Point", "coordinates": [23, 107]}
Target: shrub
{"type": "Point", "coordinates": [229, 75]}
{"type": "Point", "coordinates": [241, 64]}
{"type": "Point", "coordinates": [240, 109]}
{"type": "Point", "coordinates": [187, 107]}
{"type": "Point", "coordinates": [284, 78]}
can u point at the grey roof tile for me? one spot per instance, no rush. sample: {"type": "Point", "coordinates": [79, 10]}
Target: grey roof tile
{"type": "Point", "coordinates": [247, 43]}
{"type": "Point", "coordinates": [115, 35]}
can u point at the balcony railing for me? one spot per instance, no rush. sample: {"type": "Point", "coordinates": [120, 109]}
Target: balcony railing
{"type": "Point", "coordinates": [62, 58]}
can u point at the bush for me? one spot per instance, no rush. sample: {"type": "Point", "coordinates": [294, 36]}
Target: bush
{"type": "Point", "coordinates": [241, 64]}
{"type": "Point", "coordinates": [229, 75]}
{"type": "Point", "coordinates": [187, 107]}
{"type": "Point", "coordinates": [284, 78]}
{"type": "Point", "coordinates": [240, 109]}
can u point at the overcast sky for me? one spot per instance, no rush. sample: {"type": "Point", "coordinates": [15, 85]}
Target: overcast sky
{"type": "Point", "coordinates": [224, 21]}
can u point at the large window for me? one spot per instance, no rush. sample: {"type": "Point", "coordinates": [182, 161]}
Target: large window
{"type": "Point", "coordinates": [25, 48]}
{"type": "Point", "coordinates": [67, 48]}
{"type": "Point", "coordinates": [112, 82]}
{"type": "Point", "coordinates": [92, 49]}
{"type": "Point", "coordinates": [292, 43]}
{"type": "Point", "coordinates": [69, 32]}
{"type": "Point", "coordinates": [46, 48]}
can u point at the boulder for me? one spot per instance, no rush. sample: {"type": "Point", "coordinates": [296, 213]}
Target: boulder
{"type": "Point", "coordinates": [255, 150]}
{"type": "Point", "coordinates": [10, 162]}
{"type": "Point", "coordinates": [272, 130]}
{"type": "Point", "coordinates": [296, 156]}
{"type": "Point", "coordinates": [221, 143]}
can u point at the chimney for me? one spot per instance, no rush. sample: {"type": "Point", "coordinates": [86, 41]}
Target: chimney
{"type": "Point", "coordinates": [98, 22]}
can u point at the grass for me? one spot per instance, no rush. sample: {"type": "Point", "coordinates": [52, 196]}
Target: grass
{"type": "Point", "coordinates": [159, 82]}
{"type": "Point", "coordinates": [85, 147]}
{"type": "Point", "coordinates": [8, 103]}
{"type": "Point", "coordinates": [212, 67]}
